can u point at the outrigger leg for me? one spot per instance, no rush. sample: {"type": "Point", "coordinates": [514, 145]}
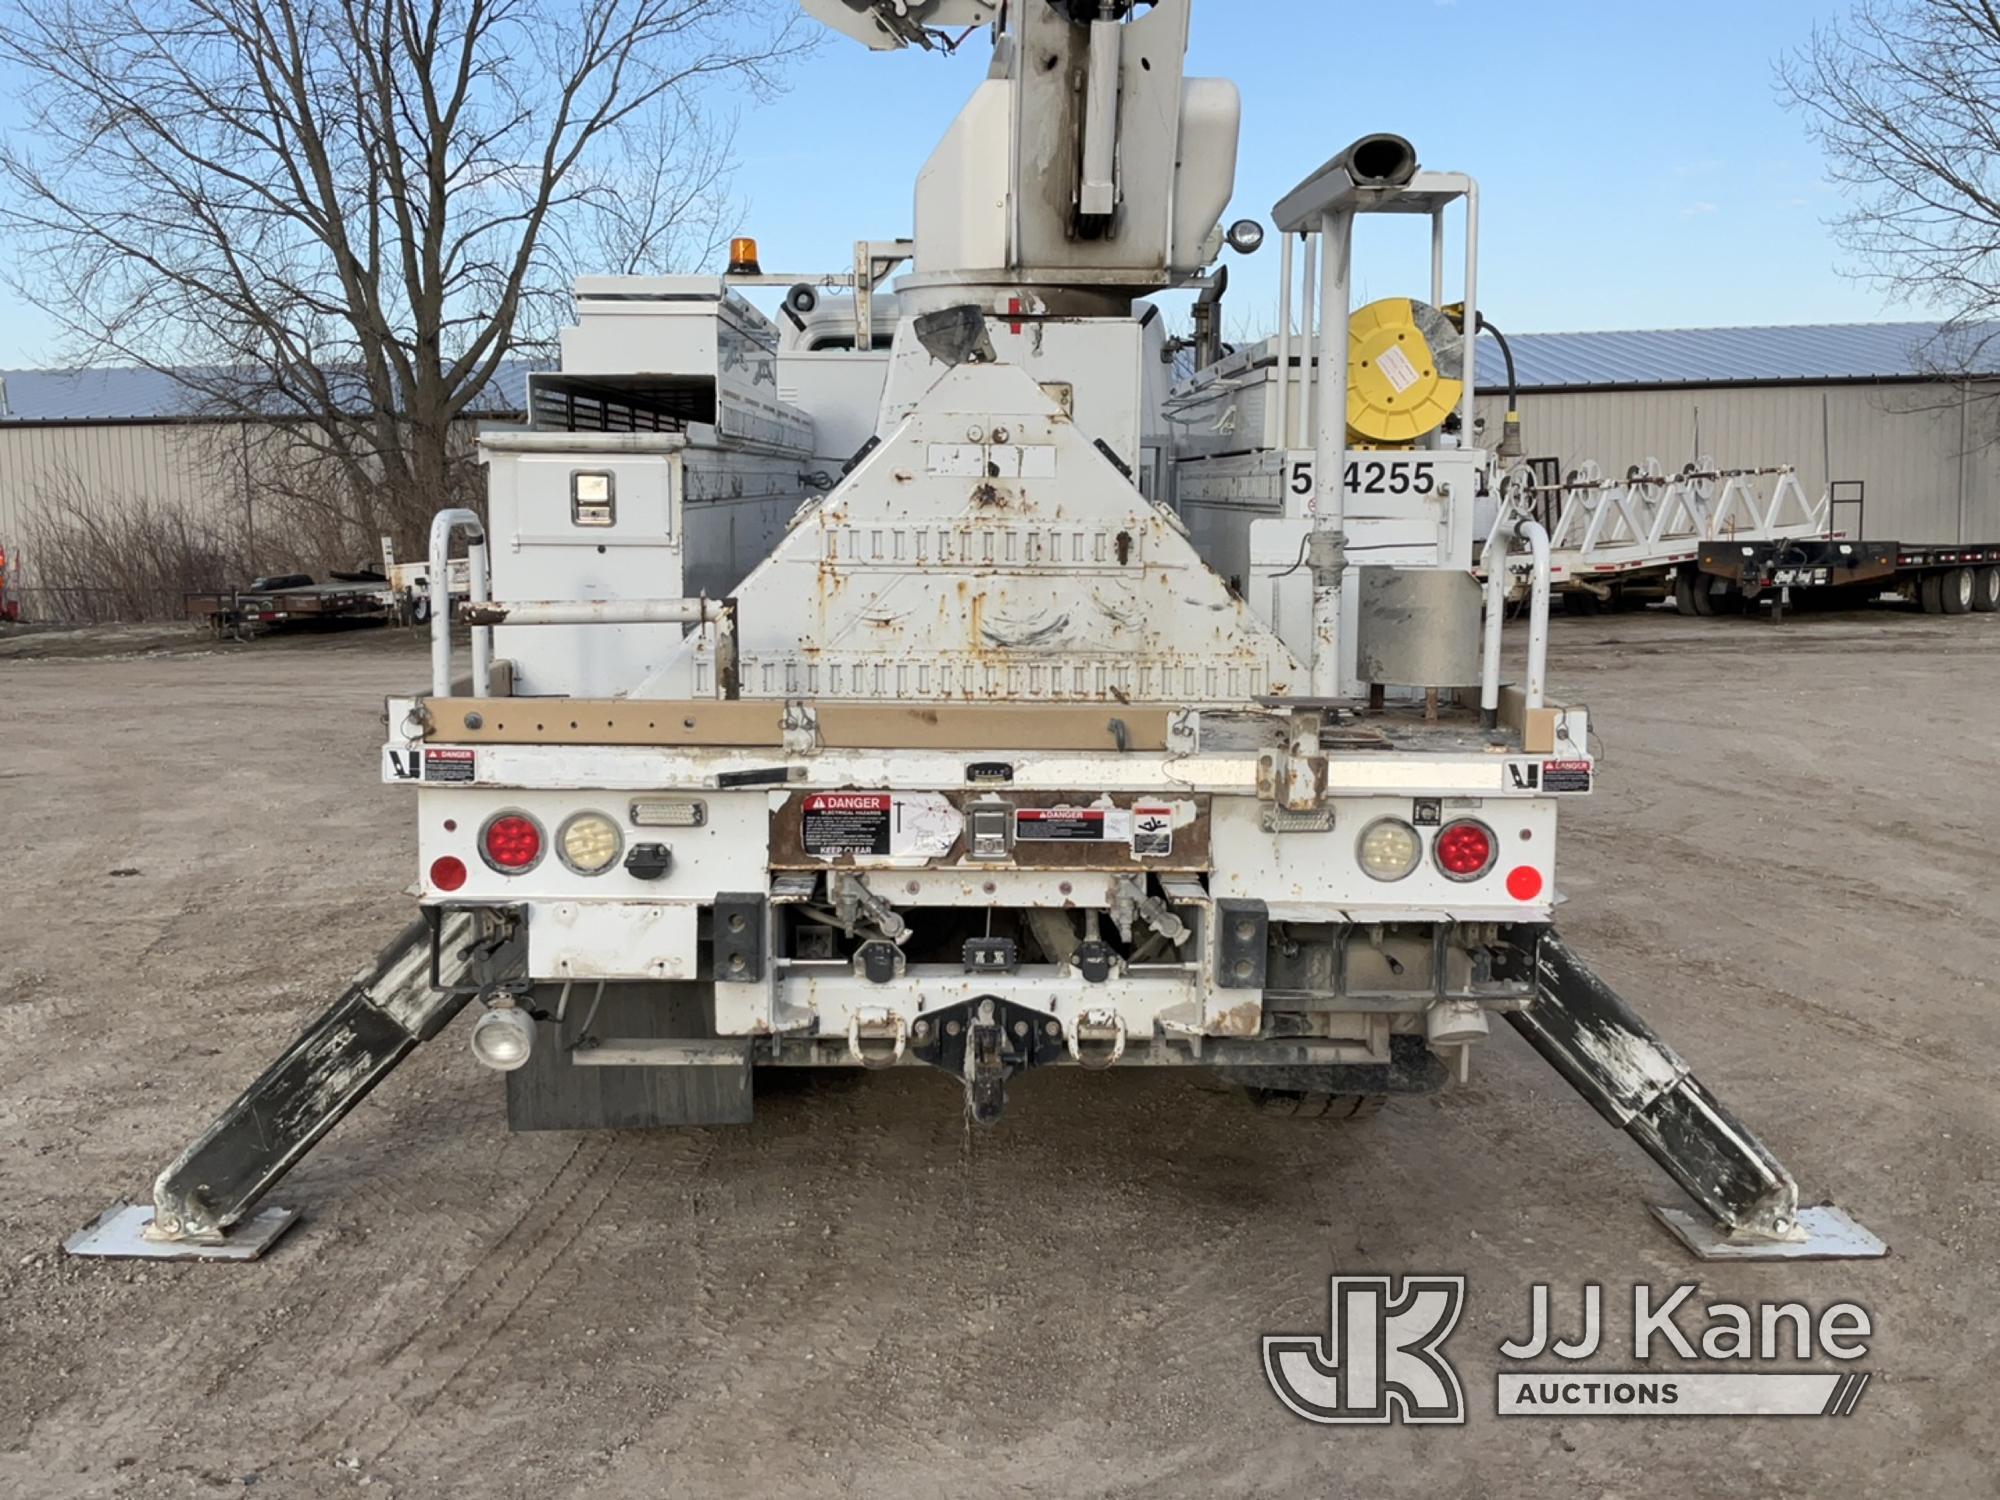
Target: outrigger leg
{"type": "Point", "coordinates": [200, 1202]}
{"type": "Point", "coordinates": [1640, 1084]}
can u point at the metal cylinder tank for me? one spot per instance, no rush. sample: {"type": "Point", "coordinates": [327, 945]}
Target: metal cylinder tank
{"type": "Point", "coordinates": [1419, 627]}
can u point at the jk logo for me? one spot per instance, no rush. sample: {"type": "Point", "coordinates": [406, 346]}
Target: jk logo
{"type": "Point", "coordinates": [1381, 1360]}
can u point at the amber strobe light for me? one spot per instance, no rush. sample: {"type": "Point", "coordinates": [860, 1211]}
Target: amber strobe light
{"type": "Point", "coordinates": [743, 257]}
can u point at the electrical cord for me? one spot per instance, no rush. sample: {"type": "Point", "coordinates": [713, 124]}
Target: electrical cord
{"type": "Point", "coordinates": [1306, 542]}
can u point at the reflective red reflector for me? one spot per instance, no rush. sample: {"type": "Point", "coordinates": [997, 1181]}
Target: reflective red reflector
{"type": "Point", "coordinates": [512, 842]}
{"type": "Point", "coordinates": [1464, 849]}
{"type": "Point", "coordinates": [448, 872]}
{"type": "Point", "coordinates": [1524, 882]}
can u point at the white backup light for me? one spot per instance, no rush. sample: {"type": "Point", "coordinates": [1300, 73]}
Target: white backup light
{"type": "Point", "coordinates": [1389, 849]}
{"type": "Point", "coordinates": [589, 843]}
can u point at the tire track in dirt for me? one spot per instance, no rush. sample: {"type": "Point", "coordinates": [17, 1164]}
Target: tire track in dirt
{"type": "Point", "coordinates": [478, 1304]}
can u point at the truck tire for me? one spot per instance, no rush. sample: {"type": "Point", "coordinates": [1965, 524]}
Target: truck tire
{"type": "Point", "coordinates": [1986, 590]}
{"type": "Point", "coordinates": [1684, 594]}
{"type": "Point", "coordinates": [1296, 1104]}
{"type": "Point", "coordinates": [1706, 604]}
{"type": "Point", "coordinates": [1930, 593]}
{"type": "Point", "coordinates": [1958, 592]}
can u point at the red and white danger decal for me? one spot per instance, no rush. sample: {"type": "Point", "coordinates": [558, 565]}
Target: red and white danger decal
{"type": "Point", "coordinates": [878, 825]}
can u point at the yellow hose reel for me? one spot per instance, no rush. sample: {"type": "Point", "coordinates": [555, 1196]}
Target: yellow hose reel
{"type": "Point", "coordinates": [1403, 363]}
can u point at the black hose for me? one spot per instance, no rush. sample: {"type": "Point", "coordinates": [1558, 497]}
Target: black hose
{"type": "Point", "coordinates": [1506, 353]}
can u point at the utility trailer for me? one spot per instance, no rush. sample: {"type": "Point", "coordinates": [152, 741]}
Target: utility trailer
{"type": "Point", "coordinates": [247, 612]}
{"type": "Point", "coordinates": [974, 762]}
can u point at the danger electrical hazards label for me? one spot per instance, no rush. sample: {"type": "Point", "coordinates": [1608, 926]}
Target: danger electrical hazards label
{"type": "Point", "coordinates": [881, 825]}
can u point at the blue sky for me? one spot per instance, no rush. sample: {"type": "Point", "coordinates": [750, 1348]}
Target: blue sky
{"type": "Point", "coordinates": [1636, 169]}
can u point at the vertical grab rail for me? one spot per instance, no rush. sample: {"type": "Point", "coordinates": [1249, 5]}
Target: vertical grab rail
{"type": "Point", "coordinates": [1327, 547]}
{"type": "Point", "coordinates": [443, 524]}
{"type": "Point", "coordinates": [1494, 561]}
{"type": "Point", "coordinates": [1286, 280]}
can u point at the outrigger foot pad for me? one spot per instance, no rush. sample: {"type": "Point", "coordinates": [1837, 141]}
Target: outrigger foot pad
{"type": "Point", "coordinates": [124, 1231]}
{"type": "Point", "coordinates": [1597, 1042]}
{"type": "Point", "coordinates": [202, 1202]}
{"type": "Point", "coordinates": [1825, 1233]}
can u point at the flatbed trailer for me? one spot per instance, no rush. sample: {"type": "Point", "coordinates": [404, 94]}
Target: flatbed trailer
{"type": "Point", "coordinates": [247, 612]}
{"type": "Point", "coordinates": [1942, 579]}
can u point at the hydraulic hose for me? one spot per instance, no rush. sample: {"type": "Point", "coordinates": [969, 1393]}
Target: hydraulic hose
{"type": "Point", "coordinates": [1510, 432]}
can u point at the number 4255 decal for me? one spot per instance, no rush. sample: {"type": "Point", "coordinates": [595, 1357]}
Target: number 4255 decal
{"type": "Point", "coordinates": [1374, 476]}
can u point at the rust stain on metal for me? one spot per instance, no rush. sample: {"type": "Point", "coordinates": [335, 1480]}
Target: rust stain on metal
{"type": "Point", "coordinates": [1246, 1019]}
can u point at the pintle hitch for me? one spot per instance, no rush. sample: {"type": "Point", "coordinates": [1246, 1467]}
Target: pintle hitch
{"type": "Point", "coordinates": [983, 1043]}
{"type": "Point", "coordinates": [202, 1202]}
{"type": "Point", "coordinates": [1615, 1060]}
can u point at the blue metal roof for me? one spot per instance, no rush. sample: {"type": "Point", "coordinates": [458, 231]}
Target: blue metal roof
{"type": "Point", "coordinates": [120, 394]}
{"type": "Point", "coordinates": [1805, 353]}
{"type": "Point", "coordinates": [1808, 353]}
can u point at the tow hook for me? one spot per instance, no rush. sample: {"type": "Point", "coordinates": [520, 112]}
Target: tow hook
{"type": "Point", "coordinates": [874, 1058]}
{"type": "Point", "coordinates": [985, 1067]}
{"type": "Point", "coordinates": [1098, 1058]}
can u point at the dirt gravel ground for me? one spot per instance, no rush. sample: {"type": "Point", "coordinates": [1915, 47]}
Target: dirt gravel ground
{"type": "Point", "coordinates": [1788, 869]}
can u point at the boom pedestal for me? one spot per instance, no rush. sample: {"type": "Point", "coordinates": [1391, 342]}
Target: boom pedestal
{"type": "Point", "coordinates": [201, 1201]}
{"type": "Point", "coordinates": [1598, 1043]}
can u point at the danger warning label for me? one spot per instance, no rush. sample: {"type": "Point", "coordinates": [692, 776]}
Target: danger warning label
{"type": "Point", "coordinates": [1570, 776]}
{"type": "Point", "coordinates": [879, 825]}
{"type": "Point", "coordinates": [448, 765]}
{"type": "Point", "coordinates": [837, 823]}
{"type": "Point", "coordinates": [1072, 825]}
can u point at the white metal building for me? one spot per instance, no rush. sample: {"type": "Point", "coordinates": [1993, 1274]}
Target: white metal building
{"type": "Point", "coordinates": [120, 437]}
{"type": "Point", "coordinates": [1851, 402]}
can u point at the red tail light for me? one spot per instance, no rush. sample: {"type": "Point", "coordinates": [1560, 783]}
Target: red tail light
{"type": "Point", "coordinates": [1465, 849]}
{"type": "Point", "coordinates": [448, 872]}
{"type": "Point", "coordinates": [511, 842]}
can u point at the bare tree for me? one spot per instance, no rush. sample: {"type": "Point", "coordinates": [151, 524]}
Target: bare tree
{"type": "Point", "coordinates": [1904, 98]}
{"type": "Point", "coordinates": [340, 217]}
{"type": "Point", "coordinates": [106, 555]}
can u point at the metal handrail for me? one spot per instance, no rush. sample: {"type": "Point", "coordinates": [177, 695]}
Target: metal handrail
{"type": "Point", "coordinates": [1499, 583]}
{"type": "Point", "coordinates": [443, 524]}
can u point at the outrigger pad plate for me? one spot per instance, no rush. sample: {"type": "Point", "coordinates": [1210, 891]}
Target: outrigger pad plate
{"type": "Point", "coordinates": [1830, 1234]}
{"type": "Point", "coordinates": [119, 1233]}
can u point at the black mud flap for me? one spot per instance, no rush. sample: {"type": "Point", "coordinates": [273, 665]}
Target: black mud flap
{"type": "Point", "coordinates": [412, 990]}
{"type": "Point", "coordinates": [554, 1091]}
{"type": "Point", "coordinates": [983, 1043]}
{"type": "Point", "coordinates": [1597, 1042]}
